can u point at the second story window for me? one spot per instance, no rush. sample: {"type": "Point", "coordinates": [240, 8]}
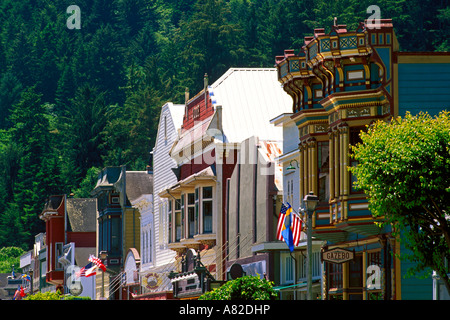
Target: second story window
{"type": "Point", "coordinates": [196, 112]}
{"type": "Point", "coordinates": [207, 209]}
{"type": "Point", "coordinates": [192, 221]}
{"type": "Point", "coordinates": [323, 165]}
{"type": "Point", "coordinates": [178, 220]}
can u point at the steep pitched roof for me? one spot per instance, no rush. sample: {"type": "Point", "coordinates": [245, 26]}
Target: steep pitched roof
{"type": "Point", "coordinates": [138, 183]}
{"type": "Point", "coordinates": [177, 113]}
{"type": "Point", "coordinates": [82, 214]}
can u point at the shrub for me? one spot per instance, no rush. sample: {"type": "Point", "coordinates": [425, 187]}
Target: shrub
{"type": "Point", "coordinates": [244, 288]}
{"type": "Point", "coordinates": [44, 296]}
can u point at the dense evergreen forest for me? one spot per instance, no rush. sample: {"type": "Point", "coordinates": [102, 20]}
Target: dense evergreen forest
{"type": "Point", "coordinates": [75, 100]}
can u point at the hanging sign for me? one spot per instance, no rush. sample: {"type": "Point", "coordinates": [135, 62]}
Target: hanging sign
{"type": "Point", "coordinates": [338, 255]}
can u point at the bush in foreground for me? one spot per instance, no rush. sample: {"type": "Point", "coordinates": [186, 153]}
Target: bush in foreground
{"type": "Point", "coordinates": [244, 288]}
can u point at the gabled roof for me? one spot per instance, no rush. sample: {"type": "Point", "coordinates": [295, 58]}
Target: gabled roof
{"type": "Point", "coordinates": [138, 183]}
{"type": "Point", "coordinates": [191, 135]}
{"type": "Point", "coordinates": [177, 113]}
{"type": "Point", "coordinates": [82, 214]}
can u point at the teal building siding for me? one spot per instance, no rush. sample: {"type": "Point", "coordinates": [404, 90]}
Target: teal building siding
{"type": "Point", "coordinates": [352, 87]}
{"type": "Point", "coordinates": [414, 287]}
{"type": "Point", "coordinates": [423, 87]}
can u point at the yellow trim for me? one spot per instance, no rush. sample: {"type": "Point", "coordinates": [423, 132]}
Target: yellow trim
{"type": "Point", "coordinates": [345, 280]}
{"type": "Point", "coordinates": [424, 58]}
{"type": "Point", "coordinates": [350, 95]}
{"type": "Point", "coordinates": [341, 75]}
{"type": "Point", "coordinates": [308, 88]}
{"type": "Point", "coordinates": [395, 89]}
{"type": "Point", "coordinates": [354, 243]}
{"type": "Point", "coordinates": [367, 72]}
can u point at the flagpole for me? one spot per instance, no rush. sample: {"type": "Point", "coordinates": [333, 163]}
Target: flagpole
{"type": "Point", "coordinates": [310, 201]}
{"type": "Point", "coordinates": [295, 275]}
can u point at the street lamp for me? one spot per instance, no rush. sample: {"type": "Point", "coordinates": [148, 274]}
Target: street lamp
{"type": "Point", "coordinates": [310, 202]}
{"type": "Point", "coordinates": [103, 257]}
{"type": "Point", "coordinates": [291, 167]}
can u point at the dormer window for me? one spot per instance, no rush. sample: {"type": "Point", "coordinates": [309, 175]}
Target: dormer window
{"type": "Point", "coordinates": [196, 112]}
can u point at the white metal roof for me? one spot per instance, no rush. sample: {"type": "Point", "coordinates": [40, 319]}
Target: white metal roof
{"type": "Point", "coordinates": [250, 98]}
{"type": "Point", "coordinates": [177, 112]}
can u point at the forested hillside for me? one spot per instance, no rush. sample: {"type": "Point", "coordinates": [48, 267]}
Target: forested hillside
{"type": "Point", "coordinates": [75, 100]}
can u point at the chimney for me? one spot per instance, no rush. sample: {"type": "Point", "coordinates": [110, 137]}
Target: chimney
{"type": "Point", "coordinates": [186, 95]}
{"type": "Point", "coordinates": [205, 88]}
{"type": "Point", "coordinates": [186, 99]}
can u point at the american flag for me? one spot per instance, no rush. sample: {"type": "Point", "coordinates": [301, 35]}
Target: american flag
{"type": "Point", "coordinates": [97, 262]}
{"type": "Point", "coordinates": [289, 219]}
{"type": "Point", "coordinates": [87, 271]}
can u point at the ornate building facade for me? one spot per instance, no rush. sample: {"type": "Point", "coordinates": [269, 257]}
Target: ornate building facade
{"type": "Point", "coordinates": [340, 82]}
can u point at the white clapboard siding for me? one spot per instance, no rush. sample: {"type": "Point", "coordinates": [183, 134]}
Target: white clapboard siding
{"type": "Point", "coordinates": [169, 122]}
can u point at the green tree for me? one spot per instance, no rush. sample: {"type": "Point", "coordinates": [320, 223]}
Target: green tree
{"type": "Point", "coordinates": [87, 184]}
{"type": "Point", "coordinates": [32, 136]}
{"type": "Point", "coordinates": [81, 129]}
{"type": "Point", "coordinates": [10, 256]}
{"type": "Point", "coordinates": [442, 42]}
{"type": "Point", "coordinates": [244, 288]}
{"type": "Point", "coordinates": [131, 129]}
{"type": "Point", "coordinates": [208, 42]}
{"type": "Point", "coordinates": [403, 166]}
{"type": "Point", "coordinates": [10, 90]}
{"type": "Point", "coordinates": [99, 62]}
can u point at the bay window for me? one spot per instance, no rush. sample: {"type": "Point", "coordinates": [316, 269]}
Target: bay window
{"type": "Point", "coordinates": [207, 209]}
{"type": "Point", "coordinates": [178, 220]}
{"type": "Point", "coordinates": [192, 223]}
{"type": "Point", "coordinates": [191, 214]}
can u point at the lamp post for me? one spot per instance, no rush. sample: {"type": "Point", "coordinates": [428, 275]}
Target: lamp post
{"type": "Point", "coordinates": [103, 256]}
{"type": "Point", "coordinates": [310, 201]}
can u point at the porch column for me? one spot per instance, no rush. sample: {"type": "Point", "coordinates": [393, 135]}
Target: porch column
{"type": "Point", "coordinates": [345, 280]}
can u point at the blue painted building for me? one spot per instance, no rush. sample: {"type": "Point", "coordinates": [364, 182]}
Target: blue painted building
{"type": "Point", "coordinates": [340, 82]}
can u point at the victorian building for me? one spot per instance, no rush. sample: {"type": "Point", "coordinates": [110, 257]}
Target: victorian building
{"type": "Point", "coordinates": [340, 82]}
{"type": "Point", "coordinates": [157, 260]}
{"type": "Point", "coordinates": [118, 193]}
{"type": "Point", "coordinates": [69, 240]}
{"type": "Point", "coordinates": [216, 121]}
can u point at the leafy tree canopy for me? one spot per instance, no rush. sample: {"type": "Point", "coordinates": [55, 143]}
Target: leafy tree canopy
{"type": "Point", "coordinates": [404, 166]}
{"type": "Point", "coordinates": [10, 256]}
{"type": "Point", "coordinates": [244, 288]}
